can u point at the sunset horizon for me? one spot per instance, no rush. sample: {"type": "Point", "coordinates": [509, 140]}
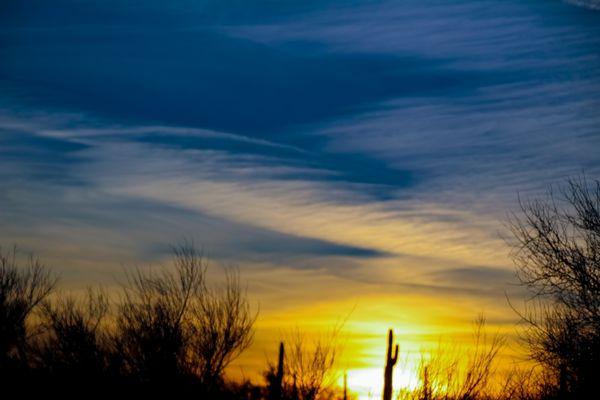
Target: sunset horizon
{"type": "Point", "coordinates": [342, 168]}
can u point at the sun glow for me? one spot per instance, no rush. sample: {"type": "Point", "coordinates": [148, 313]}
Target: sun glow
{"type": "Point", "coordinates": [367, 383]}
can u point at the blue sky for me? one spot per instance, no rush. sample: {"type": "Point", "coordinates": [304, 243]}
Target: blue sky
{"type": "Point", "coordinates": [348, 147]}
{"type": "Point", "coordinates": [377, 104]}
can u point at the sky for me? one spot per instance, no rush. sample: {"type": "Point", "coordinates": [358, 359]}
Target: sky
{"type": "Point", "coordinates": [354, 159]}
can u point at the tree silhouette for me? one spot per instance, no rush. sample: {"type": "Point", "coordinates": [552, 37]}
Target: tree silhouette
{"type": "Point", "coordinates": [22, 289]}
{"type": "Point", "coordinates": [152, 334]}
{"type": "Point", "coordinates": [172, 326]}
{"type": "Point", "coordinates": [73, 344]}
{"type": "Point", "coordinates": [220, 328]}
{"type": "Point", "coordinates": [557, 252]}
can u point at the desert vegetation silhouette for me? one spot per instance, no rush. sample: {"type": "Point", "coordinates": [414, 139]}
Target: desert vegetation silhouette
{"type": "Point", "coordinates": [557, 252]}
{"type": "Point", "coordinates": [170, 332]}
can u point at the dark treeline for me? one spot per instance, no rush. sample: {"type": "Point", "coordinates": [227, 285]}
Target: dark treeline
{"type": "Point", "coordinates": [169, 332]}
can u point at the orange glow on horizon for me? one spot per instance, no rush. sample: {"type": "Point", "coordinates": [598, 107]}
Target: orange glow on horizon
{"type": "Point", "coordinates": [362, 341]}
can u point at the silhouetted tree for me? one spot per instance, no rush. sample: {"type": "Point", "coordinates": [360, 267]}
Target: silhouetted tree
{"type": "Point", "coordinates": [22, 289]}
{"type": "Point", "coordinates": [74, 345]}
{"type": "Point", "coordinates": [171, 325]}
{"type": "Point", "coordinates": [220, 329]}
{"type": "Point", "coordinates": [152, 332]}
{"type": "Point", "coordinates": [557, 252]}
{"type": "Point", "coordinates": [171, 333]}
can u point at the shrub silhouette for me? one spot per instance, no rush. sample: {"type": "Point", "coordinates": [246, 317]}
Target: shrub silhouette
{"type": "Point", "coordinates": [74, 345]}
{"type": "Point", "coordinates": [169, 331]}
{"type": "Point", "coordinates": [305, 370]}
{"type": "Point", "coordinates": [447, 373]}
{"type": "Point", "coordinates": [22, 289]}
{"type": "Point", "coordinates": [220, 328]}
{"type": "Point", "coordinates": [151, 319]}
{"type": "Point", "coordinates": [172, 326]}
{"type": "Point", "coordinates": [310, 363]}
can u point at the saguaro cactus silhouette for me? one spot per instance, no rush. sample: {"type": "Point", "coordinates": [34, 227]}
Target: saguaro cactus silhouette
{"type": "Point", "coordinates": [276, 384]}
{"type": "Point", "coordinates": [390, 362]}
{"type": "Point", "coordinates": [345, 386]}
